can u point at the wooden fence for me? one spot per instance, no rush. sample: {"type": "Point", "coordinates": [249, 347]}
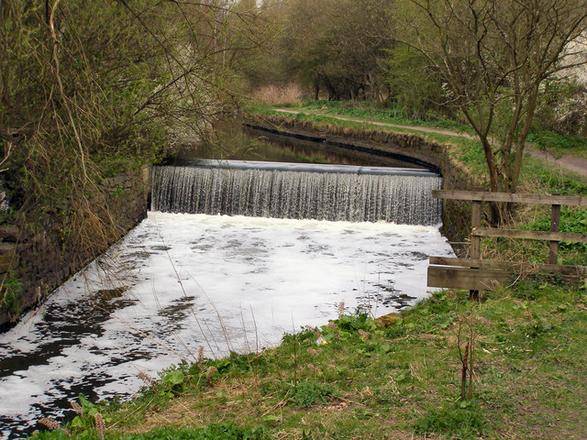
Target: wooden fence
{"type": "Point", "coordinates": [476, 274]}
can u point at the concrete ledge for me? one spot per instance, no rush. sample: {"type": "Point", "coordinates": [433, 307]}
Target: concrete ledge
{"type": "Point", "coordinates": [308, 168]}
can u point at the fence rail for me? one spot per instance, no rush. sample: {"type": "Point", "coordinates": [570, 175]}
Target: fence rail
{"type": "Point", "coordinates": [528, 199]}
{"type": "Point", "coordinates": [476, 274]}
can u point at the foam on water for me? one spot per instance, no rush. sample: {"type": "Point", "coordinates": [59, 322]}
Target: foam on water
{"type": "Point", "coordinates": [178, 282]}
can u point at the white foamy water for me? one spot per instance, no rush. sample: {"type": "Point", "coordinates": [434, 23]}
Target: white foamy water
{"type": "Point", "coordinates": [178, 282]}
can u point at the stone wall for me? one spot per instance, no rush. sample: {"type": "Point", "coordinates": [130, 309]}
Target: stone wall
{"type": "Point", "coordinates": [456, 215]}
{"type": "Point", "coordinates": [39, 263]}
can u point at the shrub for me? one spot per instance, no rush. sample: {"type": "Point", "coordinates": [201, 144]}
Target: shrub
{"type": "Point", "coordinates": [415, 87]}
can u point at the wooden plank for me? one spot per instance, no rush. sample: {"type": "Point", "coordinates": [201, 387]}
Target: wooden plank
{"type": "Point", "coordinates": [465, 278]}
{"type": "Point", "coordinates": [531, 199]}
{"type": "Point", "coordinates": [510, 266]}
{"type": "Point", "coordinates": [571, 237]}
{"type": "Point", "coordinates": [554, 222]}
{"type": "Point", "coordinates": [468, 262]}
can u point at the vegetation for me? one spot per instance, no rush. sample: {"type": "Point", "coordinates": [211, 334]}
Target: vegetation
{"type": "Point", "coordinates": [501, 67]}
{"type": "Point", "coordinates": [392, 378]}
{"type": "Point", "coordinates": [494, 57]}
{"type": "Point", "coordinates": [559, 144]}
{"type": "Point", "coordinates": [369, 111]}
{"type": "Point", "coordinates": [89, 90]}
{"type": "Point", "coordinates": [535, 176]}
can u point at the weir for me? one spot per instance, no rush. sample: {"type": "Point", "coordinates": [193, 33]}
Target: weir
{"type": "Point", "coordinates": [298, 191]}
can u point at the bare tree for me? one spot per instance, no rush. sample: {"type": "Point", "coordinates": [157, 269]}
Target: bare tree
{"type": "Point", "coordinates": [494, 56]}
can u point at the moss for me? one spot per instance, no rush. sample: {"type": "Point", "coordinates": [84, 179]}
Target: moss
{"type": "Point", "coordinates": [11, 295]}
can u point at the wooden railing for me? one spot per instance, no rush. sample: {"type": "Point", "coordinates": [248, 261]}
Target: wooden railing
{"type": "Point", "coordinates": [477, 274]}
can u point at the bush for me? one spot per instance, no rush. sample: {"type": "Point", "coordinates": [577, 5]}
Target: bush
{"type": "Point", "coordinates": [10, 293]}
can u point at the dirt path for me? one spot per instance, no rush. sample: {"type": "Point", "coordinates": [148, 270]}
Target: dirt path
{"type": "Point", "coordinates": [568, 162]}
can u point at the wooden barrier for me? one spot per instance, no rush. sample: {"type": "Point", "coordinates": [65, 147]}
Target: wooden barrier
{"type": "Point", "coordinates": [476, 274]}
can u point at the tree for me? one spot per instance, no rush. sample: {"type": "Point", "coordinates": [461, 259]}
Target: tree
{"type": "Point", "coordinates": [338, 45]}
{"type": "Point", "coordinates": [495, 56]}
{"type": "Point", "coordinates": [89, 89]}
{"type": "Point", "coordinates": [414, 85]}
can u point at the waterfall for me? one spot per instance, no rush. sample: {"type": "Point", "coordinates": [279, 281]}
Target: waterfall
{"type": "Point", "coordinates": [298, 191]}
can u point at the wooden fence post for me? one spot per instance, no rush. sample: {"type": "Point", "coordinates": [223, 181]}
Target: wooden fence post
{"type": "Point", "coordinates": [555, 220]}
{"type": "Point", "coordinates": [475, 249]}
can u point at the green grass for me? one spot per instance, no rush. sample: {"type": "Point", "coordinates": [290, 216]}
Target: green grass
{"type": "Point", "coordinates": [559, 144]}
{"type": "Point", "coordinates": [360, 378]}
{"type": "Point", "coordinates": [379, 113]}
{"type": "Point", "coordinates": [210, 432]}
{"type": "Point", "coordinates": [536, 176]}
{"type": "Point", "coordinates": [555, 143]}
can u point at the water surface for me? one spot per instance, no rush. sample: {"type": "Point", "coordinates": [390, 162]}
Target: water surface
{"type": "Point", "coordinates": [180, 282]}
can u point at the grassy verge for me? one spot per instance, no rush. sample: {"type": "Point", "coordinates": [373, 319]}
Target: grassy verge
{"type": "Point", "coordinates": [558, 144]}
{"type": "Point", "coordinates": [555, 143]}
{"type": "Point", "coordinates": [367, 110]}
{"type": "Point", "coordinates": [400, 379]}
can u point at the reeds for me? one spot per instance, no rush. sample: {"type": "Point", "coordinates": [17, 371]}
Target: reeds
{"type": "Point", "coordinates": [288, 94]}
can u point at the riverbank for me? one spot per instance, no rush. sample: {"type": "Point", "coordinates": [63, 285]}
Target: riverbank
{"type": "Point", "coordinates": [393, 378]}
{"type": "Point", "coordinates": [555, 145]}
{"type": "Point", "coordinates": [396, 378]}
{"type": "Point", "coordinates": [34, 262]}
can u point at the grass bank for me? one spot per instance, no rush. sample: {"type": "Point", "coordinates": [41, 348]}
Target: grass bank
{"type": "Point", "coordinates": [397, 378]}
{"type": "Point", "coordinates": [551, 141]}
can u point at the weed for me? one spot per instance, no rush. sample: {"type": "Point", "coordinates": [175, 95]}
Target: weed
{"type": "Point", "coordinates": [211, 432]}
{"type": "Point", "coordinates": [558, 143]}
{"type": "Point", "coordinates": [10, 295]}
{"type": "Point", "coordinates": [308, 393]}
{"type": "Point", "coordinates": [466, 341]}
{"type": "Point", "coordinates": [227, 431]}
{"type": "Point", "coordinates": [463, 420]}
{"type": "Point", "coordinates": [355, 323]}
